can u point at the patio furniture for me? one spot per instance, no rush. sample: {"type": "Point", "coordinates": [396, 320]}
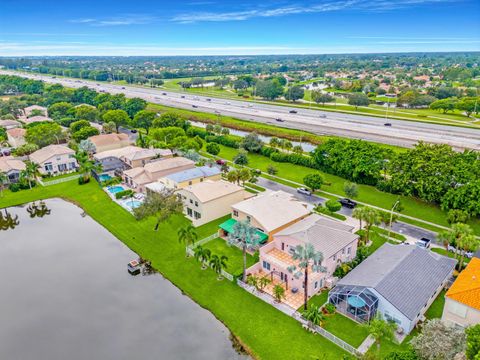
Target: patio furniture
{"type": "Point", "coordinates": [294, 290]}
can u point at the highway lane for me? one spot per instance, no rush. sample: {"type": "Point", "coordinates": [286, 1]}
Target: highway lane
{"type": "Point", "coordinates": [401, 133]}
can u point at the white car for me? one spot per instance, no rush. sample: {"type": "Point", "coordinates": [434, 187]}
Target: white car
{"type": "Point", "coordinates": [304, 191]}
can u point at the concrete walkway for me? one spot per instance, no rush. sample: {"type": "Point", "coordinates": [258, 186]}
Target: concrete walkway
{"type": "Point", "coordinates": [366, 345]}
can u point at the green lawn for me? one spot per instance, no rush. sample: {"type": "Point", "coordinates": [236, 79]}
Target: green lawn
{"type": "Point", "coordinates": [346, 329]}
{"type": "Point", "coordinates": [334, 184]}
{"type": "Point", "coordinates": [219, 246]}
{"type": "Point", "coordinates": [318, 300]}
{"type": "Point", "coordinates": [259, 326]}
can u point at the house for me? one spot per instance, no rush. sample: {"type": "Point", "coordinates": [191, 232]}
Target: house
{"type": "Point", "coordinates": [95, 125]}
{"type": "Point", "coordinates": [106, 142]}
{"type": "Point", "coordinates": [182, 179]}
{"type": "Point", "coordinates": [29, 109]}
{"type": "Point", "coordinates": [16, 137]}
{"type": "Point", "coordinates": [10, 124]}
{"type": "Point", "coordinates": [129, 157]}
{"type": "Point", "coordinates": [12, 168]}
{"type": "Point", "coordinates": [35, 119]}
{"type": "Point", "coordinates": [209, 200]}
{"type": "Point", "coordinates": [334, 239]}
{"type": "Point", "coordinates": [398, 281]}
{"type": "Point", "coordinates": [270, 211]}
{"type": "Point", "coordinates": [138, 177]}
{"type": "Point", "coordinates": [54, 159]}
{"type": "Point", "coordinates": [462, 300]}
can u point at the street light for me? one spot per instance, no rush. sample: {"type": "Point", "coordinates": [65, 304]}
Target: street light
{"type": "Point", "coordinates": [391, 217]}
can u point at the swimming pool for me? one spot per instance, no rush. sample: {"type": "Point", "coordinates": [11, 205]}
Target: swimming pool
{"type": "Point", "coordinates": [115, 189]}
{"type": "Point", "coordinates": [132, 204]}
{"type": "Point", "coordinates": [104, 177]}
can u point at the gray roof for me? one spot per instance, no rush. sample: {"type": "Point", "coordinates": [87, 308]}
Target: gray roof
{"type": "Point", "coordinates": [405, 275]}
{"type": "Point", "coordinates": [327, 236]}
{"type": "Point", "coordinates": [195, 173]}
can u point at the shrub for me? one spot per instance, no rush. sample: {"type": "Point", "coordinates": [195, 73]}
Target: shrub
{"type": "Point", "coordinates": [14, 187]}
{"type": "Point", "coordinates": [213, 148]}
{"type": "Point", "coordinates": [333, 205]}
{"type": "Point", "coordinates": [82, 180]}
{"type": "Point", "coordinates": [329, 308]}
{"type": "Point", "coordinates": [123, 193]}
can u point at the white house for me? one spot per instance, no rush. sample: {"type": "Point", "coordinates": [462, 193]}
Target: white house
{"type": "Point", "coordinates": [54, 159]}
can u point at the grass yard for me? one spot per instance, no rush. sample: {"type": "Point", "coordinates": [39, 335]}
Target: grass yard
{"type": "Point", "coordinates": [235, 258]}
{"type": "Point", "coordinates": [346, 329]}
{"type": "Point", "coordinates": [318, 300]}
{"type": "Point", "coordinates": [256, 324]}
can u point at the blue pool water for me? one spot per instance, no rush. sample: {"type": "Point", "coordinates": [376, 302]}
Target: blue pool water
{"type": "Point", "coordinates": [132, 204]}
{"type": "Point", "coordinates": [104, 177]}
{"type": "Point", "coordinates": [115, 189]}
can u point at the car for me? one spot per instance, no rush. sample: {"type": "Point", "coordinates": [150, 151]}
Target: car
{"type": "Point", "coordinates": [133, 131]}
{"type": "Point", "coordinates": [221, 162]}
{"type": "Point", "coordinates": [424, 243]}
{"type": "Point", "coordinates": [194, 106]}
{"type": "Point", "coordinates": [293, 111]}
{"type": "Point", "coordinates": [323, 116]}
{"type": "Point", "coordinates": [250, 105]}
{"type": "Point", "coordinates": [467, 254]}
{"type": "Point", "coordinates": [123, 87]}
{"type": "Point", "coordinates": [304, 191]}
{"type": "Point", "coordinates": [183, 96]}
{"type": "Point", "coordinates": [387, 124]}
{"type": "Point", "coordinates": [209, 99]}
{"type": "Point", "coordinates": [164, 93]}
{"type": "Point", "coordinates": [347, 203]}
{"type": "Point", "coordinates": [279, 120]}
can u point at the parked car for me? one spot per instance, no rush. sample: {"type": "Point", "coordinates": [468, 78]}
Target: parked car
{"type": "Point", "coordinates": [467, 254]}
{"type": "Point", "coordinates": [279, 120]}
{"type": "Point", "coordinates": [164, 93]}
{"type": "Point", "coordinates": [304, 191]}
{"type": "Point", "coordinates": [209, 99]}
{"type": "Point", "coordinates": [123, 87]}
{"type": "Point", "coordinates": [183, 96]}
{"type": "Point", "coordinates": [221, 162]}
{"type": "Point", "coordinates": [194, 106]}
{"type": "Point", "coordinates": [293, 111]}
{"type": "Point", "coordinates": [387, 124]}
{"type": "Point", "coordinates": [424, 243]}
{"type": "Point", "coordinates": [347, 203]}
{"type": "Point", "coordinates": [322, 116]}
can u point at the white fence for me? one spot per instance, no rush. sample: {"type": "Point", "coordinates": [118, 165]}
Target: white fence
{"type": "Point", "coordinates": [58, 181]}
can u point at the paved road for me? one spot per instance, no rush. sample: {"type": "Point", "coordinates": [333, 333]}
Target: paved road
{"type": "Point", "coordinates": [401, 133]}
{"type": "Point", "coordinates": [400, 227]}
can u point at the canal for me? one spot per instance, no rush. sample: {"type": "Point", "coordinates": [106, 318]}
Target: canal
{"type": "Point", "coordinates": [66, 294]}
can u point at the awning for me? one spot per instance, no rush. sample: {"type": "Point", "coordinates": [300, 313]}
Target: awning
{"type": "Point", "coordinates": [227, 226]}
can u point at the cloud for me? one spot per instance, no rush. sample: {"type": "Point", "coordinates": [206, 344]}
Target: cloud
{"type": "Point", "coordinates": [116, 21]}
{"type": "Point", "coordinates": [363, 5]}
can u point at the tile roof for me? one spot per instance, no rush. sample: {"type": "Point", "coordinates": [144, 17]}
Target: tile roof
{"type": "Point", "coordinates": [17, 132]}
{"type": "Point", "coordinates": [466, 289]}
{"type": "Point", "coordinates": [107, 139]}
{"type": "Point", "coordinates": [209, 190]}
{"type": "Point", "coordinates": [49, 151]}
{"type": "Point", "coordinates": [195, 173]}
{"type": "Point", "coordinates": [273, 209]}
{"type": "Point", "coordinates": [405, 275]}
{"type": "Point", "coordinates": [34, 119]}
{"type": "Point", "coordinates": [8, 163]}
{"type": "Point", "coordinates": [147, 173]}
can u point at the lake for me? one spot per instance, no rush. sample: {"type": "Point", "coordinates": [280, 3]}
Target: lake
{"type": "Point", "coordinates": [66, 294]}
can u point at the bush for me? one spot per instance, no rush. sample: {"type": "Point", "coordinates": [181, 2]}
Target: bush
{"type": "Point", "coordinates": [329, 308]}
{"type": "Point", "coordinates": [14, 187]}
{"type": "Point", "coordinates": [26, 149]}
{"type": "Point", "coordinates": [82, 180]}
{"type": "Point", "coordinates": [333, 205]}
{"type": "Point", "coordinates": [213, 148]}
{"type": "Point", "coordinates": [123, 193]}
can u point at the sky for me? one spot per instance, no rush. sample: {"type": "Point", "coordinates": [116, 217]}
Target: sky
{"type": "Point", "coordinates": [215, 27]}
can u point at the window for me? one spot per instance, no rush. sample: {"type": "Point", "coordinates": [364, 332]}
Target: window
{"type": "Point", "coordinates": [191, 201]}
{"type": "Point", "coordinates": [197, 215]}
{"type": "Point", "coordinates": [48, 166]}
{"type": "Point", "coordinates": [196, 203]}
{"type": "Point", "coordinates": [189, 212]}
{"type": "Point", "coordinates": [235, 213]}
{"type": "Point", "coordinates": [343, 251]}
{"type": "Point", "coordinates": [334, 257]}
{"type": "Point", "coordinates": [316, 285]}
{"type": "Point", "coordinates": [62, 167]}
{"type": "Point", "coordinates": [249, 218]}
{"type": "Point", "coordinates": [266, 265]}
{"type": "Point", "coordinates": [349, 250]}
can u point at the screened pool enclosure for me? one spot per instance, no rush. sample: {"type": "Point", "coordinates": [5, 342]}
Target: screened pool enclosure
{"type": "Point", "coordinates": [356, 302]}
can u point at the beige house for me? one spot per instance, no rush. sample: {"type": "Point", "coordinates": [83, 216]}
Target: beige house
{"type": "Point", "coordinates": [35, 119]}
{"type": "Point", "coordinates": [129, 157]}
{"type": "Point", "coordinates": [462, 300]}
{"type": "Point", "coordinates": [182, 179]}
{"type": "Point", "coordinates": [106, 142]}
{"type": "Point", "coordinates": [138, 177]}
{"type": "Point", "coordinates": [54, 159]}
{"type": "Point", "coordinates": [16, 137]}
{"type": "Point", "coordinates": [271, 211]}
{"type": "Point", "coordinates": [10, 124]}
{"type": "Point", "coordinates": [209, 200]}
{"type": "Point", "coordinates": [29, 109]}
{"type": "Point", "coordinates": [12, 168]}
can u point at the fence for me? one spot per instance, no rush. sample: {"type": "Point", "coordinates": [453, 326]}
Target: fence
{"type": "Point", "coordinates": [58, 181]}
{"type": "Point", "coordinates": [297, 316]}
{"type": "Point", "coordinates": [191, 252]}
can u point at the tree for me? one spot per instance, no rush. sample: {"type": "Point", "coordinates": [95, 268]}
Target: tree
{"type": "Point", "coordinates": [202, 255]}
{"type": "Point", "coordinates": [161, 205]}
{"type": "Point", "coordinates": [269, 89]}
{"type": "Point", "coordinates": [333, 205]}
{"type": "Point", "coordinates": [86, 166]}
{"type": "Point", "coordinates": [307, 258]}
{"type": "Point", "coordinates": [272, 170]}
{"type": "Point", "coordinates": [320, 97]}
{"type": "Point", "coordinates": [350, 189]}
{"type": "Point", "coordinates": [109, 127]}
{"type": "Point", "coordinates": [218, 263]}
{"type": "Point", "coordinates": [473, 342]}
{"type": "Point", "coordinates": [213, 148]}
{"type": "Point", "coordinates": [30, 173]}
{"type": "Point", "coordinates": [297, 149]}
{"type": "Point", "coordinates": [187, 235]}
{"type": "Point", "coordinates": [134, 105]}
{"type": "Point", "coordinates": [438, 341]}
{"type": "Point", "coordinates": [240, 84]}
{"type": "Point", "coordinates": [294, 93]}
{"type": "Point", "coordinates": [372, 217]}
{"type": "Point", "coordinates": [59, 110]}
{"type": "Point", "coordinates": [144, 119]}
{"type": "Point", "coordinates": [359, 213]}
{"type": "Point", "coordinates": [84, 133]}
{"type": "Point", "coordinates": [118, 117]}
{"type": "Point", "coordinates": [169, 119]}
{"type": "Point", "coordinates": [380, 329]}
{"type": "Point", "coordinates": [77, 125]}
{"type": "Point", "coordinates": [455, 216]}
{"type": "Point", "coordinates": [252, 142]}
{"type": "Point", "coordinates": [44, 134]}
{"type": "Point", "coordinates": [462, 237]}
{"type": "Point", "coordinates": [247, 237]}
{"type": "Point", "coordinates": [274, 142]}
{"type": "Point", "coordinates": [241, 158]}
{"type": "Point", "coordinates": [86, 112]}
{"type": "Point", "coordinates": [358, 100]}
{"type": "Point", "coordinates": [469, 105]}
{"type": "Point", "coordinates": [87, 146]}
{"type": "Point", "coordinates": [314, 315]}
{"type": "Point", "coordinates": [278, 293]}
{"type": "Point", "coordinates": [445, 105]}
{"type": "Point", "coordinates": [313, 181]}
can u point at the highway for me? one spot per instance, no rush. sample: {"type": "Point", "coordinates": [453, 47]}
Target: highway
{"type": "Point", "coordinates": [400, 133]}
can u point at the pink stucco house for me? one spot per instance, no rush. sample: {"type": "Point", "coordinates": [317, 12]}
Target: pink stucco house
{"type": "Point", "coordinates": [334, 239]}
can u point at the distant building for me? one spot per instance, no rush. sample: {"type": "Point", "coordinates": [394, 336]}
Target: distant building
{"type": "Point", "coordinates": [16, 137]}
{"type": "Point", "coordinates": [462, 301]}
{"type": "Point", "coordinates": [12, 168]}
{"type": "Point", "coordinates": [35, 119]}
{"type": "Point", "coordinates": [182, 179]}
{"type": "Point", "coordinates": [10, 124]}
{"type": "Point", "coordinates": [29, 109]}
{"type": "Point", "coordinates": [54, 159]}
{"type": "Point", "coordinates": [106, 142]}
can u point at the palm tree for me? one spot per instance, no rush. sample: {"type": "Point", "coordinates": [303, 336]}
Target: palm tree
{"type": "Point", "coordinates": [278, 293]}
{"type": "Point", "coordinates": [263, 282]}
{"type": "Point", "coordinates": [247, 237]}
{"type": "Point", "coordinates": [86, 165]}
{"type": "Point", "coordinates": [307, 257]}
{"type": "Point", "coordinates": [31, 172]}
{"type": "Point", "coordinates": [252, 280]}
{"type": "Point", "coordinates": [314, 315]}
{"type": "Point", "coordinates": [380, 329]}
{"type": "Point", "coordinates": [372, 217]}
{"type": "Point", "coordinates": [233, 176]}
{"type": "Point", "coordinates": [202, 255]}
{"type": "Point", "coordinates": [218, 263]}
{"type": "Point", "coordinates": [445, 237]}
{"type": "Point", "coordinates": [3, 182]}
{"type": "Point", "coordinates": [359, 214]}
{"type": "Point", "coordinates": [463, 238]}
{"type": "Point", "coordinates": [187, 235]}
{"type": "Point", "coordinates": [274, 142]}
